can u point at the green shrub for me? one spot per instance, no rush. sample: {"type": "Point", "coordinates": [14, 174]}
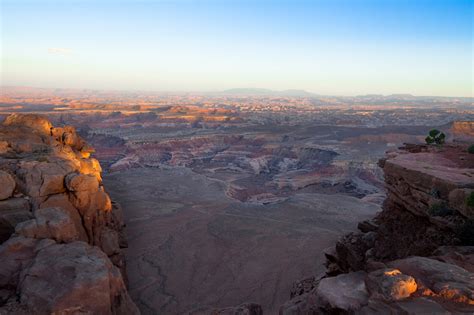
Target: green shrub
{"type": "Point", "coordinates": [435, 137]}
{"type": "Point", "coordinates": [466, 233]}
{"type": "Point", "coordinates": [471, 149]}
{"type": "Point", "coordinates": [440, 210]}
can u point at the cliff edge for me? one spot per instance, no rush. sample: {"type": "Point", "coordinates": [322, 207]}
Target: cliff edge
{"type": "Point", "coordinates": [61, 236]}
{"type": "Point", "coordinates": [417, 255]}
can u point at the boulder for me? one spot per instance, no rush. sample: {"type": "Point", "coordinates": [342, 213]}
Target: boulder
{"type": "Point", "coordinates": [390, 284]}
{"type": "Point", "coordinates": [15, 254]}
{"type": "Point", "coordinates": [52, 223]}
{"type": "Point", "coordinates": [42, 178]}
{"type": "Point", "coordinates": [74, 278]}
{"type": "Point", "coordinates": [346, 292]}
{"type": "Point", "coordinates": [82, 182]}
{"type": "Point", "coordinates": [67, 136]}
{"type": "Point", "coordinates": [446, 280]}
{"type": "Point", "coordinates": [462, 256]}
{"type": "Point", "coordinates": [62, 201]}
{"type": "Point", "coordinates": [7, 185]}
{"type": "Point", "coordinates": [31, 121]}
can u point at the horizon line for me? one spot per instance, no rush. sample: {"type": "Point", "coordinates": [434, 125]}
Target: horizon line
{"type": "Point", "coordinates": [216, 91]}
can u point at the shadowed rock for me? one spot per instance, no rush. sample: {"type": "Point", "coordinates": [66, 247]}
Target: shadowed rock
{"type": "Point", "coordinates": [7, 185]}
{"type": "Point", "coordinates": [53, 223]}
{"type": "Point", "coordinates": [75, 278]}
{"type": "Point", "coordinates": [409, 225]}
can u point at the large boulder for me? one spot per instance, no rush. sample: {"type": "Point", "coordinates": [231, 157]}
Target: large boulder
{"type": "Point", "coordinates": [62, 201]}
{"type": "Point", "coordinates": [15, 254]}
{"type": "Point", "coordinates": [42, 178]}
{"type": "Point", "coordinates": [461, 256]}
{"type": "Point", "coordinates": [346, 292]}
{"type": "Point", "coordinates": [52, 223]}
{"type": "Point", "coordinates": [81, 182]}
{"type": "Point", "coordinates": [31, 121]}
{"type": "Point", "coordinates": [446, 280]}
{"type": "Point", "coordinates": [7, 185]}
{"type": "Point", "coordinates": [74, 278]}
{"type": "Point", "coordinates": [390, 284]}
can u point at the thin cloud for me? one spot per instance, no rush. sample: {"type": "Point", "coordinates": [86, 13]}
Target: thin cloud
{"type": "Point", "coordinates": [59, 51]}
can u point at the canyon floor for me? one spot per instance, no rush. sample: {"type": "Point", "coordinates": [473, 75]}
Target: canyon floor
{"type": "Point", "coordinates": [192, 248]}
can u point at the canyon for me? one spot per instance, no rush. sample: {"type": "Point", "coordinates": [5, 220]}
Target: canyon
{"type": "Point", "coordinates": [217, 205]}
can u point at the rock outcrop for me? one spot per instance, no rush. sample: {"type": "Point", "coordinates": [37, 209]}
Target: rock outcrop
{"type": "Point", "coordinates": [61, 235]}
{"type": "Point", "coordinates": [462, 130]}
{"type": "Point", "coordinates": [417, 255]}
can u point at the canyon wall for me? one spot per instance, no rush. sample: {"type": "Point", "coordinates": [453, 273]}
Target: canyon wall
{"type": "Point", "coordinates": [61, 235]}
{"type": "Point", "coordinates": [417, 255]}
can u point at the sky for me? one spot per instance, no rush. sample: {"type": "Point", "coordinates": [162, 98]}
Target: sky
{"type": "Point", "coordinates": [330, 47]}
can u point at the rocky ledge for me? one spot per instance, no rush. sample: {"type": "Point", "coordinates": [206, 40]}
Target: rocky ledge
{"type": "Point", "coordinates": [61, 236]}
{"type": "Point", "coordinates": [417, 255]}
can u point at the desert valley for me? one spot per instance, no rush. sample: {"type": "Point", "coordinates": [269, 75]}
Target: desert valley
{"type": "Point", "coordinates": [232, 197]}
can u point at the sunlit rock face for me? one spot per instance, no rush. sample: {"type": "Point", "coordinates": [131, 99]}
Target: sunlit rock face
{"type": "Point", "coordinates": [417, 255]}
{"type": "Point", "coordinates": [61, 234]}
{"type": "Point", "coordinates": [462, 130]}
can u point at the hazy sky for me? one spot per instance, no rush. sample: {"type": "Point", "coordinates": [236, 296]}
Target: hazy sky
{"type": "Point", "coordinates": [328, 47]}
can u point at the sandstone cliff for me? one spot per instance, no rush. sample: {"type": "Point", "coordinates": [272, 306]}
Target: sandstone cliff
{"type": "Point", "coordinates": [416, 256]}
{"type": "Point", "coordinates": [61, 235]}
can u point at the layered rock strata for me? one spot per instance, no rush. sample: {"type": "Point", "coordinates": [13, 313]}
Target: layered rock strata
{"type": "Point", "coordinates": [417, 255]}
{"type": "Point", "coordinates": [61, 235]}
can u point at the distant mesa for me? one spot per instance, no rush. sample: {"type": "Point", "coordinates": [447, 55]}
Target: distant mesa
{"type": "Point", "coordinates": [267, 92]}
